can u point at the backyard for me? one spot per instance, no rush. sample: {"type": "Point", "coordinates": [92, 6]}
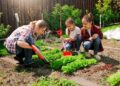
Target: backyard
{"type": "Point", "coordinates": [61, 70]}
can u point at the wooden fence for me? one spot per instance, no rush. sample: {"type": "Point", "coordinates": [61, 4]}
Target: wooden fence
{"type": "Point", "coordinates": [29, 10]}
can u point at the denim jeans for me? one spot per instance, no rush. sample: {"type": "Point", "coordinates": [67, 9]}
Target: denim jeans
{"type": "Point", "coordinates": [24, 53]}
{"type": "Point", "coordinates": [69, 45]}
{"type": "Point", "coordinates": [95, 44]}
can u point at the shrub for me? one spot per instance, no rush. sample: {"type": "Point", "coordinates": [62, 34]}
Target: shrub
{"type": "Point", "coordinates": [4, 30]}
{"type": "Point", "coordinates": [108, 15]}
{"type": "Point", "coordinates": [61, 13]}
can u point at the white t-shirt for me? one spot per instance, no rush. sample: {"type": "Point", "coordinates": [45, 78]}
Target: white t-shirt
{"type": "Point", "coordinates": [89, 31]}
{"type": "Point", "coordinates": [73, 33]}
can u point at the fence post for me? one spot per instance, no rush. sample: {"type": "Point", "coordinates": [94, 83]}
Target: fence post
{"type": "Point", "coordinates": [0, 16]}
{"type": "Point", "coordinates": [17, 19]}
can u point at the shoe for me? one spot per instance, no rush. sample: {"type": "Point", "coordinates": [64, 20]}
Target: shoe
{"type": "Point", "coordinates": [20, 60]}
{"type": "Point", "coordinates": [98, 58]}
{"type": "Point", "coordinates": [88, 55]}
{"type": "Point", "coordinates": [78, 52]}
{"type": "Point", "coordinates": [31, 65]}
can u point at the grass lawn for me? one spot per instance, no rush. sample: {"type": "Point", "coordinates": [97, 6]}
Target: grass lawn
{"type": "Point", "coordinates": [104, 29]}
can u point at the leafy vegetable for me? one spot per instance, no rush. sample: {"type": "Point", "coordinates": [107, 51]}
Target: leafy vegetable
{"type": "Point", "coordinates": [43, 48]}
{"type": "Point", "coordinates": [114, 80]}
{"type": "Point", "coordinates": [65, 60]}
{"type": "Point", "coordinates": [51, 52]}
{"type": "Point", "coordinates": [39, 43]}
{"type": "Point", "coordinates": [50, 81]}
{"type": "Point", "coordinates": [65, 36]}
{"type": "Point", "coordinates": [73, 66]}
{"type": "Point", "coordinates": [53, 57]}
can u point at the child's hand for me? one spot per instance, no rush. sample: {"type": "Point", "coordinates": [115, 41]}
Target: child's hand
{"type": "Point", "coordinates": [61, 38]}
{"type": "Point", "coordinates": [95, 36]}
{"type": "Point", "coordinates": [91, 38]}
{"type": "Point", "coordinates": [67, 39]}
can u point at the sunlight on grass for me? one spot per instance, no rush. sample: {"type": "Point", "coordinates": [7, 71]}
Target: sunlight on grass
{"type": "Point", "coordinates": [104, 29]}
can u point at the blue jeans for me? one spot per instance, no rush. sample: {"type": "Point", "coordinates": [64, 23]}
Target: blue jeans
{"type": "Point", "coordinates": [69, 45]}
{"type": "Point", "coordinates": [24, 52]}
{"type": "Point", "coordinates": [92, 44]}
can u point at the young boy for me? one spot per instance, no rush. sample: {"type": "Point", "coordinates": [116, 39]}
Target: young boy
{"type": "Point", "coordinates": [74, 40]}
{"type": "Point", "coordinates": [20, 41]}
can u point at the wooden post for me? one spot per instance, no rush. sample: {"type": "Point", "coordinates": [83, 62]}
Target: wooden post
{"type": "Point", "coordinates": [100, 20]}
{"type": "Point", "coordinates": [60, 22]}
{"type": "Point", "coordinates": [17, 19]}
{"type": "Point", "coordinates": [0, 16]}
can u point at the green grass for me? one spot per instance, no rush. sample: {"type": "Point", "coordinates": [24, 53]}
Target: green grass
{"type": "Point", "coordinates": [110, 28]}
{"type": "Point", "coordinates": [3, 50]}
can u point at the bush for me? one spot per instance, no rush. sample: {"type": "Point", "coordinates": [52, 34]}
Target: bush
{"type": "Point", "coordinates": [3, 50]}
{"type": "Point", "coordinates": [63, 12]}
{"type": "Point", "coordinates": [4, 30]}
{"type": "Point", "coordinates": [108, 15]}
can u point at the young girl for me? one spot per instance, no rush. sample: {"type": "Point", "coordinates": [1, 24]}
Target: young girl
{"type": "Point", "coordinates": [20, 41]}
{"type": "Point", "coordinates": [73, 32]}
{"type": "Point", "coordinates": [91, 36]}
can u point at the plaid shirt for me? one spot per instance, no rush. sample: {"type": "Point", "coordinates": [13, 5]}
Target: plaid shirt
{"type": "Point", "coordinates": [19, 34]}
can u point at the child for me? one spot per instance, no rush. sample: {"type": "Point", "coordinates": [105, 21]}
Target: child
{"type": "Point", "coordinates": [20, 41]}
{"type": "Point", "coordinates": [73, 41]}
{"type": "Point", "coordinates": [91, 36]}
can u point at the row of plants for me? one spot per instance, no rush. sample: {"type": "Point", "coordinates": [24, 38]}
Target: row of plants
{"type": "Point", "coordinates": [68, 64]}
{"type": "Point", "coordinates": [77, 64]}
{"type": "Point", "coordinates": [50, 81]}
{"type": "Point", "coordinates": [114, 79]}
{"type": "Point", "coordinates": [65, 60]}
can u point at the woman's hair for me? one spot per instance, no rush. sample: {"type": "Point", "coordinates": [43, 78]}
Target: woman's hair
{"type": "Point", "coordinates": [88, 17]}
{"type": "Point", "coordinates": [39, 23]}
{"type": "Point", "coordinates": [69, 21]}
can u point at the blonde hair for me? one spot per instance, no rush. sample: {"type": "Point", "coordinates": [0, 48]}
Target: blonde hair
{"type": "Point", "coordinates": [39, 23]}
{"type": "Point", "coordinates": [69, 21]}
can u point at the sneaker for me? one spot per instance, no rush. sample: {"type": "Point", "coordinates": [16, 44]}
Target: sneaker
{"type": "Point", "coordinates": [98, 57]}
{"type": "Point", "coordinates": [78, 52]}
{"type": "Point", "coordinates": [20, 60]}
{"type": "Point", "coordinates": [88, 55]}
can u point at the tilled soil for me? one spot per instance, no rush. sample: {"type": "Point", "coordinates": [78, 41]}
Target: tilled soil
{"type": "Point", "coordinates": [11, 74]}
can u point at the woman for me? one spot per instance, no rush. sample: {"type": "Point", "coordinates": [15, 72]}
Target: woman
{"type": "Point", "coordinates": [91, 36]}
{"type": "Point", "coordinates": [20, 41]}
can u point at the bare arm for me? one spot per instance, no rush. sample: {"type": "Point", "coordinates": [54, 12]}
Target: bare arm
{"type": "Point", "coordinates": [23, 44]}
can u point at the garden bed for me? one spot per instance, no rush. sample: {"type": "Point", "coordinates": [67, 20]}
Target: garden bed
{"type": "Point", "coordinates": [96, 74]}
